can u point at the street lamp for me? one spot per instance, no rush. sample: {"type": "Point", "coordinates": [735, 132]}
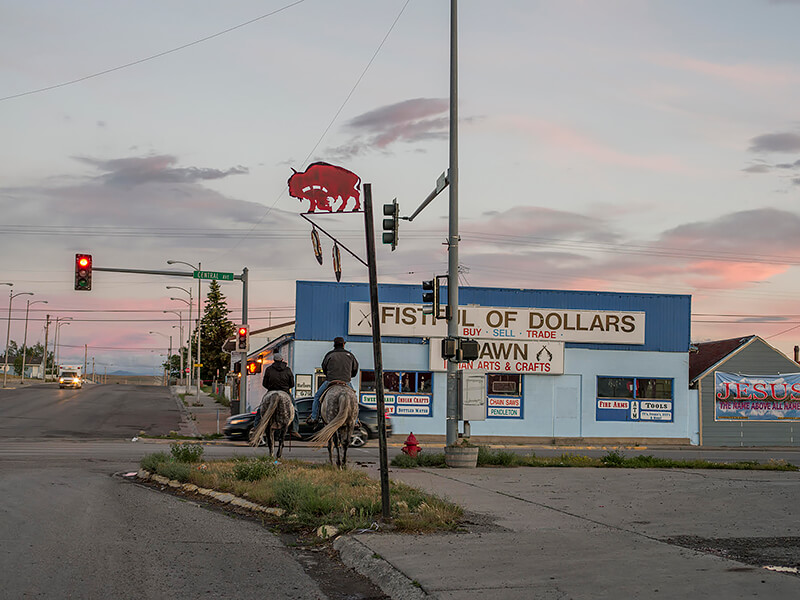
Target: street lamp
{"type": "Point", "coordinates": [59, 322]}
{"type": "Point", "coordinates": [180, 332]}
{"type": "Point", "coordinates": [25, 339]}
{"type": "Point", "coordinates": [169, 355]}
{"type": "Point", "coordinates": [199, 302]}
{"type": "Point", "coordinates": [188, 318]}
{"type": "Point", "coordinates": [11, 296]}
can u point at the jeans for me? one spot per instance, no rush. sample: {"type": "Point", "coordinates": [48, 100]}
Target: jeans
{"type": "Point", "coordinates": [318, 397]}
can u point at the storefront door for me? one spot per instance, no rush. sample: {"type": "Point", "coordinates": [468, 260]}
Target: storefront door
{"type": "Point", "coordinates": [566, 406]}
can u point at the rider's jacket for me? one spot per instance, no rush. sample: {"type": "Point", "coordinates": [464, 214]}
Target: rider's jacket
{"type": "Point", "coordinates": [339, 365]}
{"type": "Point", "coordinates": [278, 376]}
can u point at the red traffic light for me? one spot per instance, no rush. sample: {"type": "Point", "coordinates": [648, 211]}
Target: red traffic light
{"type": "Point", "coordinates": [242, 330]}
{"type": "Point", "coordinates": [83, 272]}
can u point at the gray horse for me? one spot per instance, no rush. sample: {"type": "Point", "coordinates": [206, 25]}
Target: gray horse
{"type": "Point", "coordinates": [277, 414]}
{"type": "Point", "coordinates": [339, 410]}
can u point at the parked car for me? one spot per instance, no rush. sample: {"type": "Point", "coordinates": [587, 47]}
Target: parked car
{"type": "Point", "coordinates": [367, 416]}
{"type": "Point", "coordinates": [240, 426]}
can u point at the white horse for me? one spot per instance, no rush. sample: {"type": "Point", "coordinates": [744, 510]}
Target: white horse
{"type": "Point", "coordinates": [339, 410]}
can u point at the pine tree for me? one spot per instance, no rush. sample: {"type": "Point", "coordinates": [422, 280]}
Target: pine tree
{"type": "Point", "coordinates": [215, 329]}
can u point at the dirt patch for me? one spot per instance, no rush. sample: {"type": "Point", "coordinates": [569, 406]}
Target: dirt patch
{"type": "Point", "coordinates": [760, 552]}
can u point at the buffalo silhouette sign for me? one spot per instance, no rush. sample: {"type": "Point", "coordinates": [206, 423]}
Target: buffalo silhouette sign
{"type": "Point", "coordinates": [327, 187]}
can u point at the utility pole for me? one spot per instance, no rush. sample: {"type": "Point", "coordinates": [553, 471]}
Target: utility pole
{"type": "Point", "coordinates": [93, 380]}
{"type": "Point", "coordinates": [452, 240]}
{"type": "Point", "coordinates": [377, 351]}
{"type": "Point", "coordinates": [85, 354]}
{"type": "Point", "coordinates": [44, 358]}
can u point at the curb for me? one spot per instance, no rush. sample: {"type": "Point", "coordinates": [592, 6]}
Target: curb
{"type": "Point", "coordinates": [186, 420]}
{"type": "Point", "coordinates": [392, 582]}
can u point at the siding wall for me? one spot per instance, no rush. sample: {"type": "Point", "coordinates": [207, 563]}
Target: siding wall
{"type": "Point", "coordinates": [757, 358]}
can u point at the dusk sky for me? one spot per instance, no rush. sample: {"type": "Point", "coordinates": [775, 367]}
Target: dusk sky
{"type": "Point", "coordinates": [615, 145]}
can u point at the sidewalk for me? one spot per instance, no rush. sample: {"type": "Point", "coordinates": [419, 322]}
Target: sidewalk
{"type": "Point", "coordinates": [590, 533]}
{"type": "Point", "coordinates": [199, 415]}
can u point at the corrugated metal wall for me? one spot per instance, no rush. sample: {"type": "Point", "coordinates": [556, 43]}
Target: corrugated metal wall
{"type": "Point", "coordinates": [757, 358]}
{"type": "Point", "coordinates": [321, 310]}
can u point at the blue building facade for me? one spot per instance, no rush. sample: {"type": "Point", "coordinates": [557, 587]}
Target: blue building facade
{"type": "Point", "coordinates": [557, 365]}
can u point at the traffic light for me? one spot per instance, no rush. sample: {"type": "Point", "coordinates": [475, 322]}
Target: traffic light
{"type": "Point", "coordinates": [83, 272]}
{"type": "Point", "coordinates": [469, 349]}
{"type": "Point", "coordinates": [243, 338]}
{"type": "Point", "coordinates": [430, 295]}
{"type": "Point", "coordinates": [253, 367]}
{"type": "Point", "coordinates": [391, 225]}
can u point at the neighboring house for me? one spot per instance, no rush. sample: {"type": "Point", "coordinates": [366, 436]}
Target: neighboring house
{"type": "Point", "coordinates": [745, 396]}
{"type": "Point", "coordinates": [32, 367]}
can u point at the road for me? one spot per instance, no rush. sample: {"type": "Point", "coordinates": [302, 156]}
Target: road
{"type": "Point", "coordinates": [72, 527]}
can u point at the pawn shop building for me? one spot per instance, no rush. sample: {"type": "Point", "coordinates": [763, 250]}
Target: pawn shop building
{"type": "Point", "coordinates": [563, 366]}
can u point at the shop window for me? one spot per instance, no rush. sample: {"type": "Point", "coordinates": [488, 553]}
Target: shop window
{"type": "Point", "coordinates": [425, 383]}
{"type": "Point", "coordinates": [654, 389]}
{"type": "Point", "coordinates": [615, 387]}
{"type": "Point", "coordinates": [391, 381]}
{"type": "Point", "coordinates": [398, 382]}
{"type": "Point", "coordinates": [367, 381]}
{"type": "Point", "coordinates": [503, 384]}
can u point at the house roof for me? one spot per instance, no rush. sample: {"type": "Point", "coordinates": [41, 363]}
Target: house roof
{"type": "Point", "coordinates": [708, 354]}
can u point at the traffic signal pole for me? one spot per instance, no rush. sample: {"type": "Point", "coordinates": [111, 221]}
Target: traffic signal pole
{"type": "Point", "coordinates": [452, 240]}
{"type": "Point", "coordinates": [243, 371]}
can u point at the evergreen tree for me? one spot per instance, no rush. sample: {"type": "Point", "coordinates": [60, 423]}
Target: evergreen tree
{"type": "Point", "coordinates": [215, 329]}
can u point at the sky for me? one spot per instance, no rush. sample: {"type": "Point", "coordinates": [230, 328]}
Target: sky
{"type": "Point", "coordinates": [613, 145]}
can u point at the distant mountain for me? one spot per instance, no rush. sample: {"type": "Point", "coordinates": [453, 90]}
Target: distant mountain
{"type": "Point", "coordinates": [130, 373]}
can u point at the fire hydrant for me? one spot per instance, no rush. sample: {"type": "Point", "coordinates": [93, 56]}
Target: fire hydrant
{"type": "Point", "coordinates": [411, 447]}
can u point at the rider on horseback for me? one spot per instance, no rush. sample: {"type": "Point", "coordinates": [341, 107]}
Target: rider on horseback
{"type": "Point", "coordinates": [339, 365]}
{"type": "Point", "coordinates": [278, 376]}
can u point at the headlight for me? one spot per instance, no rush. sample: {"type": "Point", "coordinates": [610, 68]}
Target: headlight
{"type": "Point", "coordinates": [237, 421]}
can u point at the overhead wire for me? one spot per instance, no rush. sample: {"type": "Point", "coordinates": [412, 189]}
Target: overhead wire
{"type": "Point", "coordinates": [152, 57]}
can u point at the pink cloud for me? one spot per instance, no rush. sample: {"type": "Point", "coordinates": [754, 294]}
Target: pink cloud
{"type": "Point", "coordinates": [572, 141]}
{"type": "Point", "coordinates": [742, 74]}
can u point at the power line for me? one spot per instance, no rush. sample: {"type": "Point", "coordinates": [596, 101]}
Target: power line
{"type": "Point", "coordinates": [149, 58]}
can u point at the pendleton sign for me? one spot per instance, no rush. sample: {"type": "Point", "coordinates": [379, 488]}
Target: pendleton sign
{"type": "Point", "coordinates": [507, 356]}
{"type": "Point", "coordinates": [490, 323]}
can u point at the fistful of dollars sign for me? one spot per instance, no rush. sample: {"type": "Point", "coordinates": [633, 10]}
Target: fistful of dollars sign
{"type": "Point", "coordinates": [756, 397]}
{"type": "Point", "coordinates": [496, 323]}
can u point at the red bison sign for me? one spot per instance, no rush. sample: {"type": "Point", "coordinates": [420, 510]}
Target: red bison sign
{"type": "Point", "coordinates": [327, 187]}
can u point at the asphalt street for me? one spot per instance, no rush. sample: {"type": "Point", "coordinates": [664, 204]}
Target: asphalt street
{"type": "Point", "coordinates": [528, 533]}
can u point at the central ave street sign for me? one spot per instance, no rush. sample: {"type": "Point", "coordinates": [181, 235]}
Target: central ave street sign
{"type": "Point", "coordinates": [213, 275]}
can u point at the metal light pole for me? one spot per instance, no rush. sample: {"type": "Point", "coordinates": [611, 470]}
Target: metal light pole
{"type": "Point", "coordinates": [180, 333]}
{"type": "Point", "coordinates": [25, 338]}
{"type": "Point", "coordinates": [188, 320]}
{"type": "Point", "coordinates": [452, 240]}
{"type": "Point", "coordinates": [169, 354]}
{"type": "Point", "coordinates": [59, 322]}
{"type": "Point", "coordinates": [11, 296]}
{"type": "Point", "coordinates": [9, 324]}
{"type": "Point", "coordinates": [199, 303]}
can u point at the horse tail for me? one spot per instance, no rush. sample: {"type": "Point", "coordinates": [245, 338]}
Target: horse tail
{"type": "Point", "coordinates": [269, 410]}
{"type": "Point", "coordinates": [324, 435]}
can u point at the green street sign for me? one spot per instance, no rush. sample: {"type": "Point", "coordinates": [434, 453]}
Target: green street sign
{"type": "Point", "coordinates": [212, 275]}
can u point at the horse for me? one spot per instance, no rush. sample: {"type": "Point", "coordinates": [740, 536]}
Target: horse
{"type": "Point", "coordinates": [339, 410]}
{"type": "Point", "coordinates": [277, 414]}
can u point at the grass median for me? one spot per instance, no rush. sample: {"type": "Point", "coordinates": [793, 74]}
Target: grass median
{"type": "Point", "coordinates": [312, 495]}
{"type": "Point", "coordinates": [488, 457]}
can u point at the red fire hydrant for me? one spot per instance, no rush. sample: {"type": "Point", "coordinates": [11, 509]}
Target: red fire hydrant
{"type": "Point", "coordinates": [411, 447]}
